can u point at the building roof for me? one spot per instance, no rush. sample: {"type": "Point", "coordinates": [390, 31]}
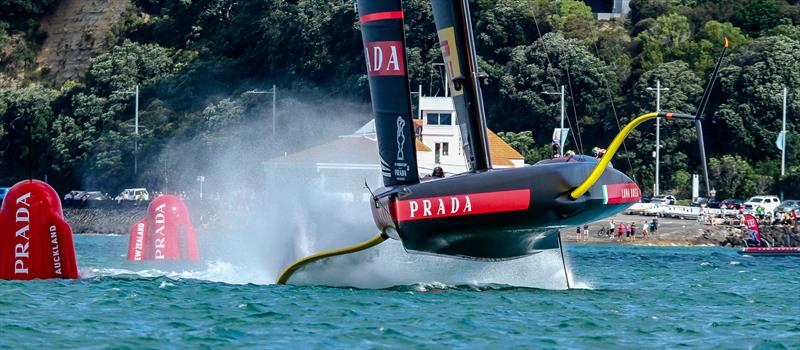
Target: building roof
{"type": "Point", "coordinates": [421, 147]}
{"type": "Point", "coordinates": [429, 103]}
{"type": "Point", "coordinates": [351, 150]}
{"type": "Point", "coordinates": [500, 151]}
{"type": "Point", "coordinates": [361, 151]}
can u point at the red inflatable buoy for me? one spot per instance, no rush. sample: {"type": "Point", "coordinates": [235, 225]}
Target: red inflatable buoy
{"type": "Point", "coordinates": [35, 240]}
{"type": "Point", "coordinates": [165, 233]}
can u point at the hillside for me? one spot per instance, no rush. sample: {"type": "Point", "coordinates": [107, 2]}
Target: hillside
{"type": "Point", "coordinates": [76, 30]}
{"type": "Point", "coordinates": [193, 61]}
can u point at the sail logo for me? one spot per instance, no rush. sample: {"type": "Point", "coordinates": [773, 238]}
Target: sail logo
{"type": "Point", "coordinates": [401, 138]}
{"type": "Point", "coordinates": [447, 41]}
{"type": "Point", "coordinates": [384, 58]}
{"type": "Point", "coordinates": [462, 204]}
{"type": "Point", "coordinates": [21, 252]}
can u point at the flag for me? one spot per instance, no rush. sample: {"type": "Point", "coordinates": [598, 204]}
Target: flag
{"type": "Point", "coordinates": [558, 136]}
{"type": "Point", "coordinates": [780, 141]}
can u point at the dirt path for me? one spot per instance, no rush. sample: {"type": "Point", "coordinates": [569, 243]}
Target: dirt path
{"type": "Point", "coordinates": [76, 29]}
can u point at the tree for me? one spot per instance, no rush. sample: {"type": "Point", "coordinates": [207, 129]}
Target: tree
{"type": "Point", "coordinates": [748, 117]}
{"type": "Point", "coordinates": [573, 20]}
{"type": "Point", "coordinates": [757, 15]}
{"type": "Point", "coordinates": [128, 65]}
{"type": "Point", "coordinates": [531, 69]}
{"type": "Point", "coordinates": [523, 143]}
{"type": "Point", "coordinates": [734, 177]}
{"type": "Point", "coordinates": [26, 121]}
{"type": "Point", "coordinates": [668, 39]}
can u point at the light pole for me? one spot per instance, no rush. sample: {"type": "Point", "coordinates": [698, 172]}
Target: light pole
{"type": "Point", "coordinates": [560, 131]}
{"type": "Point", "coordinates": [783, 136]}
{"type": "Point", "coordinates": [135, 129]}
{"type": "Point", "coordinates": [273, 92]}
{"type": "Point", "coordinates": [658, 90]}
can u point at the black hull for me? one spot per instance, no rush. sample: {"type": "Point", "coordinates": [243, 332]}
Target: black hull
{"type": "Point", "coordinates": [512, 212]}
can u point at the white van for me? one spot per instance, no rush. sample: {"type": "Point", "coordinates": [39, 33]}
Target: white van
{"type": "Point", "coordinates": [133, 194]}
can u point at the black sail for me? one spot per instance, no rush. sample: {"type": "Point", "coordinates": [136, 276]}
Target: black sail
{"type": "Point", "coordinates": [384, 50]}
{"type": "Point", "coordinates": [458, 50]}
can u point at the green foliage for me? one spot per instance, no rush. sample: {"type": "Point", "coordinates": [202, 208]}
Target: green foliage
{"type": "Point", "coordinates": [530, 70]}
{"type": "Point", "coordinates": [574, 19]}
{"type": "Point", "coordinates": [128, 65]}
{"type": "Point", "coordinates": [751, 83]}
{"type": "Point", "coordinates": [669, 38]}
{"type": "Point", "coordinates": [192, 60]}
{"type": "Point", "coordinates": [757, 15]}
{"type": "Point", "coordinates": [21, 13]}
{"type": "Point", "coordinates": [735, 178]}
{"type": "Point", "coordinates": [524, 143]}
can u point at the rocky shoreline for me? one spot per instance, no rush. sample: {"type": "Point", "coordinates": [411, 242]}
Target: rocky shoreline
{"type": "Point", "coordinates": [676, 232]}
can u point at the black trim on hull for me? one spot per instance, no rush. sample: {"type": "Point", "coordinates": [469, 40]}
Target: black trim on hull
{"type": "Point", "coordinates": [501, 214]}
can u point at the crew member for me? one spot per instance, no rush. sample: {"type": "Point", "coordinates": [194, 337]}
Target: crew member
{"type": "Point", "coordinates": [437, 172]}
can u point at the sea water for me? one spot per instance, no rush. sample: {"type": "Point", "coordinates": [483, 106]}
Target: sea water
{"type": "Point", "coordinates": [627, 297]}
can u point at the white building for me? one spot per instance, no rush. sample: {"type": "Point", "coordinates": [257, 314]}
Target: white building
{"type": "Point", "coordinates": [342, 165]}
{"type": "Point", "coordinates": [438, 130]}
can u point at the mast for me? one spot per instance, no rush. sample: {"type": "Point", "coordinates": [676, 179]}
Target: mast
{"type": "Point", "coordinates": [384, 49]}
{"type": "Point", "coordinates": [454, 27]}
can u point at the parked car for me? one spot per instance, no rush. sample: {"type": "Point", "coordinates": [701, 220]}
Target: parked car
{"type": "Point", "coordinates": [769, 203]}
{"type": "Point", "coordinates": [3, 191]}
{"type": "Point", "coordinates": [668, 199]}
{"type": "Point", "coordinates": [709, 202]}
{"type": "Point", "coordinates": [732, 203]}
{"type": "Point", "coordinates": [133, 194]}
{"type": "Point", "coordinates": [93, 196]}
{"type": "Point", "coordinates": [787, 206]}
{"type": "Point", "coordinates": [74, 195]}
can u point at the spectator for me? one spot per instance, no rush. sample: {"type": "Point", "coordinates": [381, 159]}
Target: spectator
{"type": "Point", "coordinates": [645, 229]}
{"type": "Point", "coordinates": [586, 231]}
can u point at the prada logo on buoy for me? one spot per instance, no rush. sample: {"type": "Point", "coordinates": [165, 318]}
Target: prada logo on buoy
{"type": "Point", "coordinates": [139, 243]}
{"type": "Point", "coordinates": [462, 204]}
{"type": "Point", "coordinates": [161, 238]}
{"type": "Point", "coordinates": [54, 247]}
{"type": "Point", "coordinates": [21, 253]}
{"type": "Point", "coordinates": [384, 58]}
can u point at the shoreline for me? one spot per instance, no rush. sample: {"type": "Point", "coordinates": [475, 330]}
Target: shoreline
{"type": "Point", "coordinates": [671, 232]}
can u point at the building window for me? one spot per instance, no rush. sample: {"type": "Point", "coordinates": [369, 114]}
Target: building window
{"type": "Point", "coordinates": [445, 148]}
{"type": "Point", "coordinates": [433, 118]}
{"type": "Point", "coordinates": [440, 118]}
{"type": "Point", "coordinates": [445, 119]}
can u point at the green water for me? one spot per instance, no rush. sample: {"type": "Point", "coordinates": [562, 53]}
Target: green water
{"type": "Point", "coordinates": [630, 297]}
